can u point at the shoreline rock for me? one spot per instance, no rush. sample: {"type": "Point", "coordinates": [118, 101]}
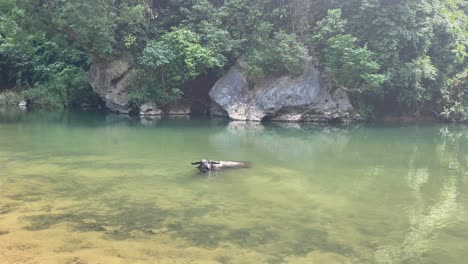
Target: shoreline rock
{"type": "Point", "coordinates": [177, 108]}
{"type": "Point", "coordinates": [287, 98]}
{"type": "Point", "coordinates": [150, 109]}
{"type": "Point", "coordinates": [109, 80]}
{"type": "Point", "coordinates": [23, 105]}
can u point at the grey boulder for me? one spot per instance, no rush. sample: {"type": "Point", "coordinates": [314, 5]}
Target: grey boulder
{"type": "Point", "coordinates": [109, 79]}
{"type": "Point", "coordinates": [284, 98]}
{"type": "Point", "coordinates": [150, 109]}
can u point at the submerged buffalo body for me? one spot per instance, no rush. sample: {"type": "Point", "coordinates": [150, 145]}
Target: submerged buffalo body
{"type": "Point", "coordinates": [211, 165]}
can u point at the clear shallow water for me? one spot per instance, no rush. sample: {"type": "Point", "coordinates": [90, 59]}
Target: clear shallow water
{"type": "Point", "coordinates": [89, 188]}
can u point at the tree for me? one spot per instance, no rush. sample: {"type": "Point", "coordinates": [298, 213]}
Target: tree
{"type": "Point", "coordinates": [276, 55]}
{"type": "Point", "coordinates": [102, 27]}
{"type": "Point", "coordinates": [344, 62]}
{"type": "Point", "coordinates": [166, 64]}
{"type": "Point", "coordinates": [420, 46]}
{"type": "Point", "coordinates": [405, 57]}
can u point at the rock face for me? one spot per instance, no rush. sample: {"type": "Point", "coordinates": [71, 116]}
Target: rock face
{"type": "Point", "coordinates": [285, 98]}
{"type": "Point", "coordinates": [109, 81]}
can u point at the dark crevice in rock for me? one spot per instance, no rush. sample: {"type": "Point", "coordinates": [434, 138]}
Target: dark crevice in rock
{"type": "Point", "coordinates": [115, 81]}
{"type": "Point", "coordinates": [196, 93]}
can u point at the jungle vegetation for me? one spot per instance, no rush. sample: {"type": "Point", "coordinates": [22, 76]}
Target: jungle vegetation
{"type": "Point", "coordinates": [401, 57]}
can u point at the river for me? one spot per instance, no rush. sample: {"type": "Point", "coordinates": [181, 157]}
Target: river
{"type": "Point", "coordinates": [92, 188]}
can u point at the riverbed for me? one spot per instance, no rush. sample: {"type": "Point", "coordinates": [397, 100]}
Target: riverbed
{"type": "Point", "coordinates": [97, 188]}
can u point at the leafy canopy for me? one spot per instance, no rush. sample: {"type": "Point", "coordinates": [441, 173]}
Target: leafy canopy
{"type": "Point", "coordinates": [344, 62]}
{"type": "Point", "coordinates": [403, 57]}
{"type": "Point", "coordinates": [167, 63]}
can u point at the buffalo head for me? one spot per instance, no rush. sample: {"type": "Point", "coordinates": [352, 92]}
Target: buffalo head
{"type": "Point", "coordinates": [206, 165]}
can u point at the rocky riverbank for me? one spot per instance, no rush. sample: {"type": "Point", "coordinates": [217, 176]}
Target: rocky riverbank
{"type": "Point", "coordinates": [288, 98]}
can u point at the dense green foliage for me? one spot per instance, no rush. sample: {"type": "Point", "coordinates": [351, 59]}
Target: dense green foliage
{"type": "Point", "coordinates": [422, 47]}
{"type": "Point", "coordinates": [166, 64]}
{"type": "Point", "coordinates": [402, 57]}
{"type": "Point", "coordinates": [279, 54]}
{"type": "Point", "coordinates": [344, 62]}
{"type": "Point", "coordinates": [52, 71]}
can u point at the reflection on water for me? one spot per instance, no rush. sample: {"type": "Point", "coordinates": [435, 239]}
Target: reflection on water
{"type": "Point", "coordinates": [89, 188]}
{"type": "Point", "coordinates": [423, 222]}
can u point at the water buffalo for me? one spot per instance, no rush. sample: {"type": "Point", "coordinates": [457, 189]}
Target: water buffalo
{"type": "Point", "coordinates": [211, 165]}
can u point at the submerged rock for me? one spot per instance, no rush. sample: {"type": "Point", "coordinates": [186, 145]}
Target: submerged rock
{"type": "Point", "coordinates": [109, 80]}
{"type": "Point", "coordinates": [285, 98]}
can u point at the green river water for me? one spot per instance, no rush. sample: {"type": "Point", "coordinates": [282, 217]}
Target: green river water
{"type": "Point", "coordinates": [91, 188]}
